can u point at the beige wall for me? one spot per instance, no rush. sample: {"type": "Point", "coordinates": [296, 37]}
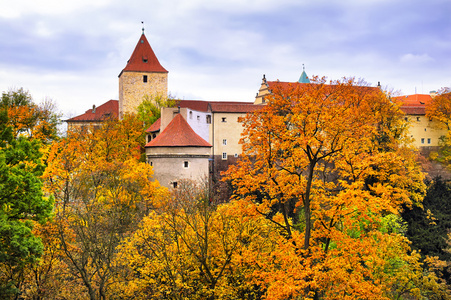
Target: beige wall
{"type": "Point", "coordinates": [169, 163]}
{"type": "Point", "coordinates": [132, 89]}
{"type": "Point", "coordinates": [228, 129]}
{"type": "Point", "coordinates": [262, 92]}
{"type": "Point", "coordinates": [424, 132]}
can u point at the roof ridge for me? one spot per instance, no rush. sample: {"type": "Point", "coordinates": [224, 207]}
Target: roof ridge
{"type": "Point", "coordinates": [178, 133]}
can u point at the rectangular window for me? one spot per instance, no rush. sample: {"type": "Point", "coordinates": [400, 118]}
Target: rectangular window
{"type": "Point", "coordinates": [145, 78]}
{"type": "Point", "coordinates": [224, 142]}
{"type": "Point", "coordinates": [185, 164]}
{"type": "Point", "coordinates": [208, 119]}
{"type": "Point", "coordinates": [422, 141]}
{"type": "Point", "coordinates": [151, 163]}
{"type": "Point", "coordinates": [429, 141]}
{"type": "Point", "coordinates": [224, 119]}
{"type": "Point", "coordinates": [224, 155]}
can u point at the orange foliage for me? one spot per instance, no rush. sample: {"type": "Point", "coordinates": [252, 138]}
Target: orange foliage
{"type": "Point", "coordinates": [327, 163]}
{"type": "Point", "coordinates": [102, 191]}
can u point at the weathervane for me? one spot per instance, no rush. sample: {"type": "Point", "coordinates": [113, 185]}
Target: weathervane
{"type": "Point", "coordinates": [142, 22]}
{"type": "Point", "coordinates": [303, 67]}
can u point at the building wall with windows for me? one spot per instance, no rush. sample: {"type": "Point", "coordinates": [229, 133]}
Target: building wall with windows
{"type": "Point", "coordinates": [171, 164]}
{"type": "Point", "coordinates": [425, 132]}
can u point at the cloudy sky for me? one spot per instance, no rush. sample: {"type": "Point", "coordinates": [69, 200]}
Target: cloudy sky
{"type": "Point", "coordinates": [73, 51]}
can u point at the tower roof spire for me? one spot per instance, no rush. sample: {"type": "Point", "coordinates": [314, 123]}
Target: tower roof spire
{"type": "Point", "coordinates": [143, 58]}
{"type": "Point", "coordinates": [304, 77]}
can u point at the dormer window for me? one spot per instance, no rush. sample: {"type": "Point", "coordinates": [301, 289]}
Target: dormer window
{"type": "Point", "coordinates": [145, 59]}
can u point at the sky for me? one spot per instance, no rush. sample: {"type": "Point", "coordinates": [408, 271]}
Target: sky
{"type": "Point", "coordinates": [73, 51]}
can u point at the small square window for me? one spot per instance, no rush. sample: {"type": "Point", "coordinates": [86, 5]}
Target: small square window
{"type": "Point", "coordinates": [224, 155]}
{"type": "Point", "coordinates": [224, 119]}
{"type": "Point", "coordinates": [174, 184]}
{"type": "Point", "coordinates": [224, 142]}
{"type": "Point", "coordinates": [422, 141]}
{"type": "Point", "coordinates": [185, 164]}
{"type": "Point", "coordinates": [145, 78]}
{"type": "Point", "coordinates": [418, 118]}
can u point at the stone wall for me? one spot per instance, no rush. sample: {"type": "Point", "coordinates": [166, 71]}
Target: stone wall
{"type": "Point", "coordinates": [132, 89]}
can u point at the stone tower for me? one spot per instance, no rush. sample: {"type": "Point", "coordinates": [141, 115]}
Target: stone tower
{"type": "Point", "coordinates": [143, 75]}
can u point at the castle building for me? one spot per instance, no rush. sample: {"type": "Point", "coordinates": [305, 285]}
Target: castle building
{"type": "Point", "coordinates": [425, 132]}
{"type": "Point", "coordinates": [199, 139]}
{"type": "Point", "coordinates": [143, 76]}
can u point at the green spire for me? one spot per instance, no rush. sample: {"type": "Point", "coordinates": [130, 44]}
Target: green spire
{"type": "Point", "coordinates": [303, 78]}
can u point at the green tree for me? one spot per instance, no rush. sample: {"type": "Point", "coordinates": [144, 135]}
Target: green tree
{"type": "Point", "coordinates": [428, 226]}
{"type": "Point", "coordinates": [21, 203]}
{"type": "Point", "coordinates": [150, 108]}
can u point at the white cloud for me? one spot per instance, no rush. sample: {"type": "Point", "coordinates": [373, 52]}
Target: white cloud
{"type": "Point", "coordinates": [410, 58]}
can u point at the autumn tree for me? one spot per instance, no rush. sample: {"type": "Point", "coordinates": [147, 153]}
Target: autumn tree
{"type": "Point", "coordinates": [102, 191]}
{"type": "Point", "coordinates": [327, 163]}
{"type": "Point", "coordinates": [439, 109]}
{"type": "Point", "coordinates": [37, 121]}
{"type": "Point", "coordinates": [192, 249]}
{"type": "Point", "coordinates": [22, 203]}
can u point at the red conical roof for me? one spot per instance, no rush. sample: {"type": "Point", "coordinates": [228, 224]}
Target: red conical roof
{"type": "Point", "coordinates": [178, 133]}
{"type": "Point", "coordinates": [144, 59]}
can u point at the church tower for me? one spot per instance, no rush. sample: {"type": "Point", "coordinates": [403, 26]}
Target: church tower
{"type": "Point", "coordinates": [143, 75]}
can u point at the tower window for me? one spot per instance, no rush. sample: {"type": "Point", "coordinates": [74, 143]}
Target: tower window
{"type": "Point", "coordinates": [145, 78]}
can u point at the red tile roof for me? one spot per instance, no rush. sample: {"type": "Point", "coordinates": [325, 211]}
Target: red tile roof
{"type": "Point", "coordinates": [413, 110]}
{"type": "Point", "coordinates": [100, 113]}
{"type": "Point", "coordinates": [414, 104]}
{"type": "Point", "coordinates": [201, 105]}
{"type": "Point", "coordinates": [233, 107]}
{"type": "Point", "coordinates": [415, 100]}
{"type": "Point", "coordinates": [143, 59]}
{"type": "Point", "coordinates": [178, 134]}
{"type": "Point", "coordinates": [285, 84]}
{"type": "Point", "coordinates": [155, 126]}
